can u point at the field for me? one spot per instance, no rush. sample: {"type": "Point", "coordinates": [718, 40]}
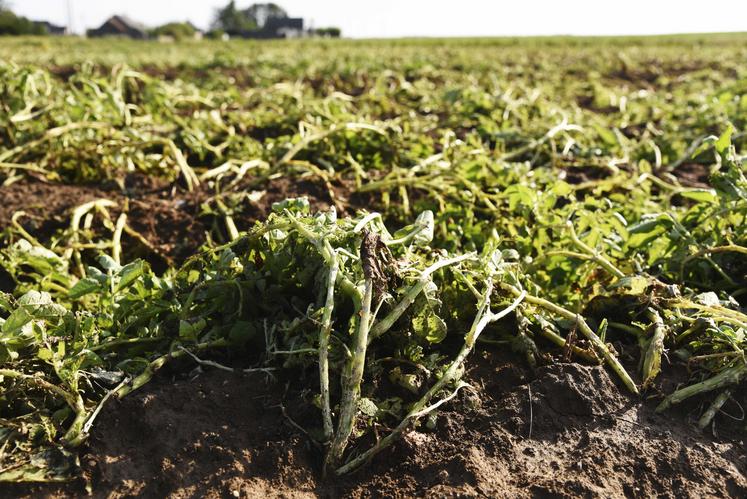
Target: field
{"type": "Point", "coordinates": [479, 267]}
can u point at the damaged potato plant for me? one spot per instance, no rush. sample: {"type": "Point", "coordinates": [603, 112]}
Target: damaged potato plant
{"type": "Point", "coordinates": [346, 289]}
{"type": "Point", "coordinates": [581, 210]}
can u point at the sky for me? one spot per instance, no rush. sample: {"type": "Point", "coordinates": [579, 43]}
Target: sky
{"type": "Point", "coordinates": [429, 18]}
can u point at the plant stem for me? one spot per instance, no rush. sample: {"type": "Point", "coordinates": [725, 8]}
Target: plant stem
{"type": "Point", "coordinates": [729, 376]}
{"type": "Point", "coordinates": [159, 362]}
{"type": "Point", "coordinates": [585, 330]}
{"type": "Point", "coordinates": [482, 319]}
{"type": "Point", "coordinates": [117, 238]}
{"type": "Point", "coordinates": [351, 381]}
{"type": "Point", "coordinates": [324, 336]}
{"type": "Point", "coordinates": [594, 254]}
{"type": "Point", "coordinates": [718, 402]}
{"type": "Point", "coordinates": [652, 358]}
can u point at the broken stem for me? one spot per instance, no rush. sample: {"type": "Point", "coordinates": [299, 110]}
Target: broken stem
{"type": "Point", "coordinates": [420, 408]}
{"type": "Point", "coordinates": [590, 335]}
{"type": "Point", "coordinates": [324, 336]}
{"type": "Point", "coordinates": [351, 381]}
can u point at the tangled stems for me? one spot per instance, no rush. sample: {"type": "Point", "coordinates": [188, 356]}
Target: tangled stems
{"type": "Point", "coordinates": [590, 335]}
{"type": "Point", "coordinates": [421, 408]}
{"type": "Point", "coordinates": [74, 400]}
{"type": "Point", "coordinates": [412, 293]}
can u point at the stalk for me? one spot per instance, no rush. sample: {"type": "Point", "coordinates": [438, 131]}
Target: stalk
{"type": "Point", "coordinates": [727, 377]}
{"type": "Point", "coordinates": [652, 359]}
{"type": "Point", "coordinates": [482, 319]}
{"type": "Point", "coordinates": [594, 254]}
{"type": "Point", "coordinates": [351, 381]}
{"type": "Point", "coordinates": [117, 238]}
{"type": "Point", "coordinates": [587, 355]}
{"type": "Point", "coordinates": [158, 363]}
{"type": "Point", "coordinates": [590, 335]}
{"type": "Point", "coordinates": [713, 409]}
{"type": "Point", "coordinates": [324, 336]}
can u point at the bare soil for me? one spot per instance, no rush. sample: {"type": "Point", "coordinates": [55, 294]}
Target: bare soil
{"type": "Point", "coordinates": [564, 430]}
{"type": "Point", "coordinates": [169, 217]}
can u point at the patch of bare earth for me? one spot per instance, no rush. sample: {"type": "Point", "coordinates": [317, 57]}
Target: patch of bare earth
{"type": "Point", "coordinates": [168, 217]}
{"type": "Point", "coordinates": [565, 430]}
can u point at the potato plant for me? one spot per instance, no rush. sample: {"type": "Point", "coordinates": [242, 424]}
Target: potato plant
{"type": "Point", "coordinates": [556, 199]}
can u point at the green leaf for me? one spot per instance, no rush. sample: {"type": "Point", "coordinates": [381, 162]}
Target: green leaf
{"type": "Point", "coordinates": [430, 326]}
{"type": "Point", "coordinates": [45, 354]}
{"type": "Point", "coordinates": [39, 305]}
{"type": "Point", "coordinates": [108, 263]}
{"type": "Point", "coordinates": [190, 331]}
{"type": "Point", "coordinates": [13, 324]}
{"type": "Point", "coordinates": [367, 407]}
{"type": "Point", "coordinates": [421, 232]}
{"type": "Point", "coordinates": [297, 206]}
{"type": "Point", "coordinates": [701, 195]}
{"type": "Point", "coordinates": [84, 287]}
{"type": "Point", "coordinates": [724, 141]}
{"type": "Point", "coordinates": [129, 273]}
{"type": "Point", "coordinates": [40, 259]}
{"type": "Point", "coordinates": [242, 332]}
{"type": "Point", "coordinates": [520, 195]}
{"type": "Point", "coordinates": [635, 285]}
{"type": "Point", "coordinates": [562, 188]}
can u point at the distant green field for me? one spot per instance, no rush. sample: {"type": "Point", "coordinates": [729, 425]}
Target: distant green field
{"type": "Point", "coordinates": [72, 50]}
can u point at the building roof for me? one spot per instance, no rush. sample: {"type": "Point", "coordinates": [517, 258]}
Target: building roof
{"type": "Point", "coordinates": [51, 28]}
{"type": "Point", "coordinates": [124, 23]}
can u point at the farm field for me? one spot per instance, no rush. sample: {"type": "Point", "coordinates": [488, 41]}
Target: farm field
{"type": "Point", "coordinates": [464, 267]}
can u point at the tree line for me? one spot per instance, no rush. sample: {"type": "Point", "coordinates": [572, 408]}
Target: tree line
{"type": "Point", "coordinates": [11, 24]}
{"type": "Point", "coordinates": [229, 19]}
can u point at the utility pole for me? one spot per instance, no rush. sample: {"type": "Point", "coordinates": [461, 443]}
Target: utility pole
{"type": "Point", "coordinates": [69, 17]}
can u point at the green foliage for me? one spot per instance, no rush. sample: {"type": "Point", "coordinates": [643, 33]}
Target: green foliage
{"type": "Point", "coordinates": [232, 20]}
{"type": "Point", "coordinates": [262, 12]}
{"type": "Point", "coordinates": [579, 197]}
{"type": "Point", "coordinates": [177, 31]}
{"type": "Point", "coordinates": [330, 32]}
{"type": "Point", "coordinates": [13, 25]}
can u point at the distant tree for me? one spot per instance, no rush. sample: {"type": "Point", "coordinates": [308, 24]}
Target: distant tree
{"type": "Point", "coordinates": [13, 25]}
{"type": "Point", "coordinates": [216, 34]}
{"type": "Point", "coordinates": [178, 31]}
{"type": "Point", "coordinates": [261, 12]}
{"type": "Point", "coordinates": [232, 20]}
{"type": "Point", "coordinates": [330, 32]}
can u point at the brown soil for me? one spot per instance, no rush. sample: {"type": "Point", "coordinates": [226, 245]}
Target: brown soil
{"type": "Point", "coordinates": [166, 215]}
{"type": "Point", "coordinates": [693, 174]}
{"type": "Point", "coordinates": [566, 430]}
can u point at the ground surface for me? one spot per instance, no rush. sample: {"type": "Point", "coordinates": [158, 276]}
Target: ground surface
{"type": "Point", "coordinates": [166, 215]}
{"type": "Point", "coordinates": [216, 434]}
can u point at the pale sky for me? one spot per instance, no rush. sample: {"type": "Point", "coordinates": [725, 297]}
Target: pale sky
{"type": "Point", "coordinates": [401, 18]}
